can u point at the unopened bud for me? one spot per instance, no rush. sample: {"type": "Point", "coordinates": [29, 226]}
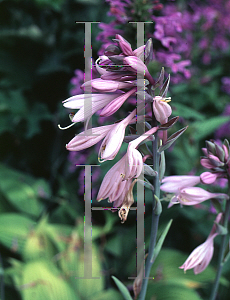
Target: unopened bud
{"type": "Point", "coordinates": [211, 147]}
{"type": "Point", "coordinates": [112, 50]}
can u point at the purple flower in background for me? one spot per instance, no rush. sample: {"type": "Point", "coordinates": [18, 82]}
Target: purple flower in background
{"type": "Point", "coordinates": [226, 87]}
{"type": "Point", "coordinates": [108, 30]}
{"type": "Point", "coordinates": [118, 8]}
{"type": "Point", "coordinates": [168, 30]}
{"type": "Point", "coordinates": [76, 158]}
{"type": "Point", "coordinates": [77, 81]}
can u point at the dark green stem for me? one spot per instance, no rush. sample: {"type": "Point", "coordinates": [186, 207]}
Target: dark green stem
{"type": "Point", "coordinates": [222, 249]}
{"type": "Point", "coordinates": [155, 220]}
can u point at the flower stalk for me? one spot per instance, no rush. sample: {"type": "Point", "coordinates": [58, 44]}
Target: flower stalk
{"type": "Point", "coordinates": [155, 219]}
{"type": "Point", "coordinates": [222, 248]}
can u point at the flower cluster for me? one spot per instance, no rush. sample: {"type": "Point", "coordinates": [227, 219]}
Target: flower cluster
{"type": "Point", "coordinates": [123, 73]}
{"type": "Point", "coordinates": [217, 160]}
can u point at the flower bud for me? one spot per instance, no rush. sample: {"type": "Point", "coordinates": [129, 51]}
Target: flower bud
{"type": "Point", "coordinates": [124, 45]}
{"type": "Point", "coordinates": [112, 50]}
{"type": "Point", "coordinates": [210, 147]}
{"type": "Point", "coordinates": [208, 177]}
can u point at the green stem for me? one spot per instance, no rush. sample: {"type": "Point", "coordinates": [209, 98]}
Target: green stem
{"type": "Point", "coordinates": [222, 249]}
{"type": "Point", "coordinates": [155, 220]}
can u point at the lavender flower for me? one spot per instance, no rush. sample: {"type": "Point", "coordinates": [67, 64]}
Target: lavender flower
{"type": "Point", "coordinates": [200, 258]}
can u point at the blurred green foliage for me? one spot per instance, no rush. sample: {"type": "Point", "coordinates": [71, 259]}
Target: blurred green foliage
{"type": "Point", "coordinates": [41, 206]}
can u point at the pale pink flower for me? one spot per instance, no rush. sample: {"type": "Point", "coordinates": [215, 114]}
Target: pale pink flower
{"type": "Point", "coordinates": [96, 102]}
{"type": "Point", "coordinates": [194, 195]}
{"type": "Point", "coordinates": [114, 138]}
{"type": "Point", "coordinates": [107, 86]}
{"type": "Point", "coordinates": [162, 110]}
{"type": "Point", "coordinates": [112, 181]}
{"type": "Point", "coordinates": [137, 66]}
{"type": "Point", "coordinates": [88, 138]}
{"type": "Point", "coordinates": [116, 103]}
{"type": "Point", "coordinates": [172, 184]}
{"type": "Point", "coordinates": [200, 258]}
{"type": "Point", "coordinates": [118, 179]}
{"type": "Point", "coordinates": [134, 161]}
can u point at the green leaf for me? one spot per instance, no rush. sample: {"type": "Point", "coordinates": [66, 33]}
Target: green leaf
{"type": "Point", "coordinates": [13, 109]}
{"type": "Point", "coordinates": [158, 206]}
{"type": "Point", "coordinates": [75, 262]}
{"type": "Point", "coordinates": [40, 242]}
{"type": "Point", "coordinates": [146, 184]}
{"type": "Point", "coordinates": [107, 295]}
{"type": "Point", "coordinates": [187, 112]}
{"type": "Point", "coordinates": [162, 291]}
{"type": "Point", "coordinates": [169, 261]}
{"type": "Point", "coordinates": [169, 124]}
{"type": "Point", "coordinates": [14, 231]}
{"type": "Point", "coordinates": [162, 166]}
{"type": "Point", "coordinates": [38, 113]}
{"type": "Point", "coordinates": [18, 189]}
{"type": "Point", "coordinates": [123, 289]}
{"type": "Point", "coordinates": [202, 129]}
{"type": "Point", "coordinates": [172, 139]}
{"type": "Point", "coordinates": [42, 280]}
{"type": "Point", "coordinates": [160, 241]}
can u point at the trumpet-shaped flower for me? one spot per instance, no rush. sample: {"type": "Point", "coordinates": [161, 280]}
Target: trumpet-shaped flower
{"type": "Point", "coordinates": [113, 140]}
{"type": "Point", "coordinates": [172, 184]}
{"type": "Point", "coordinates": [116, 103]}
{"type": "Point", "coordinates": [200, 258]}
{"type": "Point", "coordinates": [88, 138]}
{"type": "Point", "coordinates": [117, 180]}
{"type": "Point", "coordinates": [194, 195]}
{"type": "Point", "coordinates": [111, 185]}
{"type": "Point", "coordinates": [107, 86]}
{"type": "Point", "coordinates": [95, 102]}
